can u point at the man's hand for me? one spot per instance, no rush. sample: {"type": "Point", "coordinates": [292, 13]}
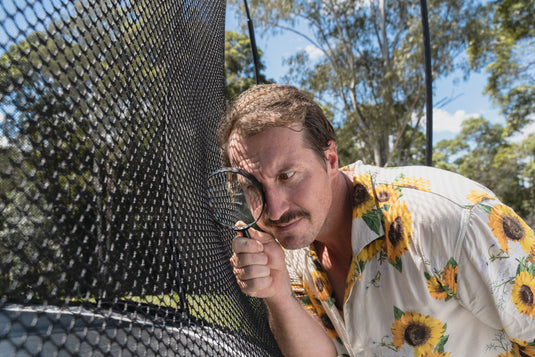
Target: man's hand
{"type": "Point", "coordinates": [259, 266]}
{"type": "Point", "coordinates": [261, 271]}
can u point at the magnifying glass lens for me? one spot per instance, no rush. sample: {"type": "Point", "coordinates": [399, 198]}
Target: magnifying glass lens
{"type": "Point", "coordinates": [235, 195]}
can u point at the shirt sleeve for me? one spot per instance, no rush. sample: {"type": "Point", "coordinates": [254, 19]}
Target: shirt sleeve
{"type": "Point", "coordinates": [496, 270]}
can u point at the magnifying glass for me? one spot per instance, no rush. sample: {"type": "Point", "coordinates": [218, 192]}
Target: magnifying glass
{"type": "Point", "coordinates": [235, 195]}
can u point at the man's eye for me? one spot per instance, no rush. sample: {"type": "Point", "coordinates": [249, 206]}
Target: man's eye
{"type": "Point", "coordinates": [286, 175]}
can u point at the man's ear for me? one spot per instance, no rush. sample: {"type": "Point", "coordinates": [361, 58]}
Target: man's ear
{"type": "Point", "coordinates": [331, 156]}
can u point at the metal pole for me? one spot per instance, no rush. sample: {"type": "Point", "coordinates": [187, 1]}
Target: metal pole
{"type": "Point", "coordinates": [428, 85]}
{"type": "Point", "coordinates": [253, 43]}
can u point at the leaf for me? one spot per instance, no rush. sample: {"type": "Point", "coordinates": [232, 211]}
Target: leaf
{"type": "Point", "coordinates": [452, 262]}
{"type": "Point", "coordinates": [447, 289]}
{"type": "Point", "coordinates": [531, 270]}
{"type": "Point", "coordinates": [440, 346]}
{"type": "Point", "coordinates": [486, 208]}
{"type": "Point", "coordinates": [362, 265]}
{"type": "Point", "coordinates": [330, 302]}
{"type": "Point", "coordinates": [400, 177]}
{"type": "Point", "coordinates": [372, 221]}
{"type": "Point", "coordinates": [398, 313]}
{"type": "Point", "coordinates": [397, 264]}
{"type": "Point", "coordinates": [386, 207]}
{"type": "Point", "coordinates": [522, 266]}
{"type": "Point", "coordinates": [427, 275]}
{"type": "Point", "coordinates": [306, 300]}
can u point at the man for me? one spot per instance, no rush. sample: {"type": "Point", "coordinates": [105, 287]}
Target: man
{"type": "Point", "coordinates": [410, 261]}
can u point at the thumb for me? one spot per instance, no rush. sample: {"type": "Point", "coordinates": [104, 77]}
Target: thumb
{"type": "Point", "coordinates": [242, 232]}
{"type": "Point", "coordinates": [261, 236]}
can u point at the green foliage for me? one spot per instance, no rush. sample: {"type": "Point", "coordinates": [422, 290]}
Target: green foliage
{"type": "Point", "coordinates": [84, 117]}
{"type": "Point", "coordinates": [502, 41]}
{"type": "Point", "coordinates": [372, 65]}
{"type": "Point", "coordinates": [239, 65]}
{"type": "Point", "coordinates": [483, 153]}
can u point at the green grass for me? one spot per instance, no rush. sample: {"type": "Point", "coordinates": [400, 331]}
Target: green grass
{"type": "Point", "coordinates": [219, 310]}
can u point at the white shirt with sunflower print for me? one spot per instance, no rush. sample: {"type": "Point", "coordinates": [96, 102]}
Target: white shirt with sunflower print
{"type": "Point", "coordinates": [440, 268]}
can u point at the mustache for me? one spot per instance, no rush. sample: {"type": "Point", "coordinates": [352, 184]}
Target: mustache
{"type": "Point", "coordinates": [287, 217]}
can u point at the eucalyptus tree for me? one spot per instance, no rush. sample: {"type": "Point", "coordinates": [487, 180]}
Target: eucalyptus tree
{"type": "Point", "coordinates": [502, 42]}
{"type": "Point", "coordinates": [371, 69]}
{"type": "Point", "coordinates": [239, 65]}
{"type": "Point", "coordinates": [485, 153]}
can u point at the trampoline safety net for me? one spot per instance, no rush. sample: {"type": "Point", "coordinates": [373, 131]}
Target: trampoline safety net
{"type": "Point", "coordinates": [108, 113]}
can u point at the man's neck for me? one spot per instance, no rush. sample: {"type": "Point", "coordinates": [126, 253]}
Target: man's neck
{"type": "Point", "coordinates": [334, 249]}
{"type": "Point", "coordinates": [337, 237]}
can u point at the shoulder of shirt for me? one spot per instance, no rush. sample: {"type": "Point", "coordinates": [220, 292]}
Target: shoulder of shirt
{"type": "Point", "coordinates": [424, 179]}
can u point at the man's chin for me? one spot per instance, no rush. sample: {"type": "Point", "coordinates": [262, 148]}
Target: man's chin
{"type": "Point", "coordinates": [292, 242]}
{"type": "Point", "coordinates": [289, 238]}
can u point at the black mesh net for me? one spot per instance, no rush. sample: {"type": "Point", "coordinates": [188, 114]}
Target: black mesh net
{"type": "Point", "coordinates": [108, 112]}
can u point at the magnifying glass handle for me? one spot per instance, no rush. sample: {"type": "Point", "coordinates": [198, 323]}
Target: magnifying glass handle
{"type": "Point", "coordinates": [246, 233]}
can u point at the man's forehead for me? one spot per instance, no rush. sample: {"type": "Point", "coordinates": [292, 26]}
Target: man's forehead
{"type": "Point", "coordinates": [238, 154]}
{"type": "Point", "coordinates": [271, 146]}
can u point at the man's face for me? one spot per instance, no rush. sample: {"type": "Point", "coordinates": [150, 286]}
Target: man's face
{"type": "Point", "coordinates": [297, 184]}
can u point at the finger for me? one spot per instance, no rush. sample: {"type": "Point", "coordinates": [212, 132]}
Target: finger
{"type": "Point", "coordinates": [245, 259]}
{"type": "Point", "coordinates": [251, 272]}
{"type": "Point", "coordinates": [261, 237]}
{"type": "Point", "coordinates": [240, 224]}
{"type": "Point", "coordinates": [245, 245]}
{"type": "Point", "coordinates": [255, 287]}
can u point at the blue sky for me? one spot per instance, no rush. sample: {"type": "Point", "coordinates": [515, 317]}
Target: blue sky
{"type": "Point", "coordinates": [467, 97]}
{"type": "Point", "coordinates": [468, 100]}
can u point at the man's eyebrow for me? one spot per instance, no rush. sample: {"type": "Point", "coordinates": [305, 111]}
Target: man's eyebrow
{"type": "Point", "coordinates": [287, 167]}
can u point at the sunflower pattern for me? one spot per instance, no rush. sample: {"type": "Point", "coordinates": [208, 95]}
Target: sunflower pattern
{"type": "Point", "coordinates": [435, 354]}
{"type": "Point", "coordinates": [369, 252]}
{"type": "Point", "coordinates": [352, 276]}
{"type": "Point", "coordinates": [450, 277]}
{"type": "Point", "coordinates": [321, 279]}
{"type": "Point", "coordinates": [520, 348]}
{"type": "Point", "coordinates": [476, 196]}
{"type": "Point", "coordinates": [363, 198]}
{"type": "Point", "coordinates": [398, 232]}
{"type": "Point", "coordinates": [523, 293]}
{"type": "Point", "coordinates": [508, 227]}
{"type": "Point", "coordinates": [321, 283]}
{"type": "Point", "coordinates": [443, 284]}
{"type": "Point", "coordinates": [523, 348]}
{"type": "Point", "coordinates": [423, 333]}
{"type": "Point", "coordinates": [315, 307]}
{"type": "Point", "coordinates": [435, 285]}
{"type": "Point", "coordinates": [387, 194]}
{"type": "Point", "coordinates": [309, 300]}
{"type": "Point", "coordinates": [417, 183]}
{"type": "Point", "coordinates": [429, 271]}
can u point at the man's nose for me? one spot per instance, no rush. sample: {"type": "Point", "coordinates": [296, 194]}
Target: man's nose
{"type": "Point", "coordinates": [276, 203]}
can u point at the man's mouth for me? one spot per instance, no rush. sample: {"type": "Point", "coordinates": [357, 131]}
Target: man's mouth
{"type": "Point", "coordinates": [288, 225]}
{"type": "Point", "coordinates": [287, 221]}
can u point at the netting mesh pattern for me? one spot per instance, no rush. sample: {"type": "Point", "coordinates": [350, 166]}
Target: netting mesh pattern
{"type": "Point", "coordinates": [108, 112]}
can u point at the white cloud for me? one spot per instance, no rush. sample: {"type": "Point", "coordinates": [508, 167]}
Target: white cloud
{"type": "Point", "coordinates": [314, 53]}
{"type": "Point", "coordinates": [444, 121]}
{"type": "Point", "coordinates": [526, 131]}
